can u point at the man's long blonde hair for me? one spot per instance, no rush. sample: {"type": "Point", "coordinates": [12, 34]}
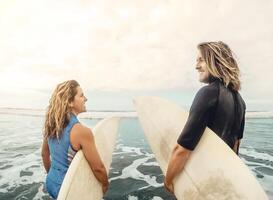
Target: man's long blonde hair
{"type": "Point", "coordinates": [58, 113]}
{"type": "Point", "coordinates": [221, 63]}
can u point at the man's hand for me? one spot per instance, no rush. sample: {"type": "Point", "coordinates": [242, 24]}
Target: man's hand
{"type": "Point", "coordinates": [169, 186]}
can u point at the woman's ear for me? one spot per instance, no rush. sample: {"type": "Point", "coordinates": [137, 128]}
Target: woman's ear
{"type": "Point", "coordinates": [71, 104]}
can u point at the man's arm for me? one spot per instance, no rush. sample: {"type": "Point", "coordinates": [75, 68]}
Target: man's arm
{"type": "Point", "coordinates": [177, 162]}
{"type": "Point", "coordinates": [204, 100]}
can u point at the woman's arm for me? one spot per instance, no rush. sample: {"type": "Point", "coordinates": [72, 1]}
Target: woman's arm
{"type": "Point", "coordinates": [46, 155]}
{"type": "Point", "coordinates": [85, 139]}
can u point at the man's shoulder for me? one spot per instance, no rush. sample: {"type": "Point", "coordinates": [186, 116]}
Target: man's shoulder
{"type": "Point", "coordinates": [241, 100]}
{"type": "Point", "coordinates": [209, 90]}
{"type": "Point", "coordinates": [206, 96]}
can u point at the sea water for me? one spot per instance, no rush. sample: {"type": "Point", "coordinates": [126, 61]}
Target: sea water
{"type": "Point", "coordinates": [134, 172]}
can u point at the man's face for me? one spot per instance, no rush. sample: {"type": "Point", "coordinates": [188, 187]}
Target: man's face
{"type": "Point", "coordinates": [202, 68]}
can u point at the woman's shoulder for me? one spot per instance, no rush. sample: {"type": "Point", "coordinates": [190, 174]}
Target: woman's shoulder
{"type": "Point", "coordinates": [80, 134]}
{"type": "Point", "coordinates": [81, 130]}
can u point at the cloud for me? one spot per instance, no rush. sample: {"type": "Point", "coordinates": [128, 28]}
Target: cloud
{"type": "Point", "coordinates": [134, 45]}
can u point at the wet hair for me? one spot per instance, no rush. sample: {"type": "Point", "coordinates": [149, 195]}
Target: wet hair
{"type": "Point", "coordinates": [59, 112]}
{"type": "Point", "coordinates": [221, 63]}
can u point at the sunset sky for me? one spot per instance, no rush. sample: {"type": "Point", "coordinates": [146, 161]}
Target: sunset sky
{"type": "Point", "coordinates": [120, 49]}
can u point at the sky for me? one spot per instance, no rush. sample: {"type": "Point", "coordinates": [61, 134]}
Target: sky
{"type": "Point", "coordinates": [120, 49]}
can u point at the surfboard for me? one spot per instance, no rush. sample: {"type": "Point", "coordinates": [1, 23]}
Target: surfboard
{"type": "Point", "coordinates": [213, 171]}
{"type": "Point", "coordinates": [79, 181]}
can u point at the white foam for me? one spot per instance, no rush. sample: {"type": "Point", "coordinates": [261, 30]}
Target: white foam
{"type": "Point", "coordinates": [22, 163]}
{"type": "Point", "coordinates": [40, 193]}
{"type": "Point", "coordinates": [151, 164]}
{"type": "Point", "coordinates": [127, 149]}
{"type": "Point", "coordinates": [131, 170]}
{"type": "Point", "coordinates": [249, 151]}
{"type": "Point", "coordinates": [132, 197]}
{"type": "Point", "coordinates": [267, 180]}
{"type": "Point", "coordinates": [157, 198]}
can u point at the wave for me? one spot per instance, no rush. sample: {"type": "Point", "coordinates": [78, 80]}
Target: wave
{"type": "Point", "coordinates": [99, 114]}
{"type": "Point", "coordinates": [86, 115]}
{"type": "Point", "coordinates": [103, 114]}
{"type": "Point", "coordinates": [259, 114]}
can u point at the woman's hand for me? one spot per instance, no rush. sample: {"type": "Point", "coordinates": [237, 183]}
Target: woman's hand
{"type": "Point", "coordinates": [105, 188]}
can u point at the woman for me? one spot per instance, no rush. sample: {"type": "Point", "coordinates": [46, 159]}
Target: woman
{"type": "Point", "coordinates": [218, 105]}
{"type": "Point", "coordinates": [64, 135]}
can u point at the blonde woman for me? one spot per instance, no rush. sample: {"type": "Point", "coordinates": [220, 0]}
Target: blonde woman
{"type": "Point", "coordinates": [217, 105]}
{"type": "Point", "coordinates": [64, 135]}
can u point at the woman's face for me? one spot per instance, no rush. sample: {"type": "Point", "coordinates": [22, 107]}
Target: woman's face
{"type": "Point", "coordinates": [78, 104]}
{"type": "Point", "coordinates": [202, 69]}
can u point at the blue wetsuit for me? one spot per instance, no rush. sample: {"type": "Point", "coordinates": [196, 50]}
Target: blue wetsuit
{"type": "Point", "coordinates": [61, 153]}
{"type": "Point", "coordinates": [219, 108]}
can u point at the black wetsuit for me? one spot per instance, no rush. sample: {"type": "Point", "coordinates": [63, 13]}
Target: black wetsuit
{"type": "Point", "coordinates": [219, 108]}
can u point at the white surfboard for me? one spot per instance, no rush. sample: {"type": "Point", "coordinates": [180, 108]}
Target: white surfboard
{"type": "Point", "coordinates": [79, 181]}
{"type": "Point", "coordinates": [213, 171]}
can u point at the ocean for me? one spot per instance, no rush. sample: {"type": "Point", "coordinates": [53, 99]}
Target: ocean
{"type": "Point", "coordinates": [134, 172]}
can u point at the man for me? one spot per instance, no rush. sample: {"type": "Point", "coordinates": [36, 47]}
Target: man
{"type": "Point", "coordinates": [218, 105]}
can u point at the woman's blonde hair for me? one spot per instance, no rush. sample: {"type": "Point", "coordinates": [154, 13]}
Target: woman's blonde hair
{"type": "Point", "coordinates": [58, 112]}
{"type": "Point", "coordinates": [221, 63]}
